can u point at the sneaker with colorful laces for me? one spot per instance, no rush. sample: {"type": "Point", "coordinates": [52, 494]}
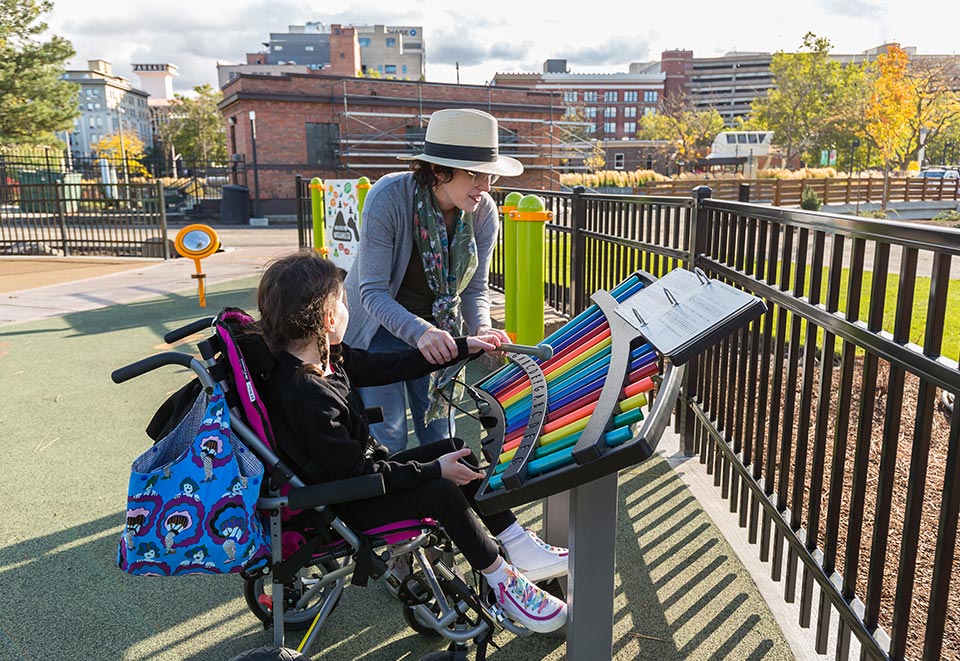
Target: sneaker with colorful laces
{"type": "Point", "coordinates": [536, 559]}
{"type": "Point", "coordinates": [525, 603]}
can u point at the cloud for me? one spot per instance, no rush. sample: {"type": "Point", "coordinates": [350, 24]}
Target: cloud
{"type": "Point", "coordinates": [854, 8]}
{"type": "Point", "coordinates": [618, 51]}
{"type": "Point", "coordinates": [450, 49]}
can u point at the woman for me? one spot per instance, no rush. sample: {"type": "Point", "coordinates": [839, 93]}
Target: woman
{"type": "Point", "coordinates": [322, 430]}
{"type": "Point", "coordinates": [420, 276]}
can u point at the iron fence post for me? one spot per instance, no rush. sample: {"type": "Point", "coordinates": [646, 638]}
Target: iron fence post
{"type": "Point", "coordinates": [697, 245]}
{"type": "Point", "coordinates": [62, 220]}
{"type": "Point", "coordinates": [578, 243]}
{"type": "Point", "coordinates": [161, 204]}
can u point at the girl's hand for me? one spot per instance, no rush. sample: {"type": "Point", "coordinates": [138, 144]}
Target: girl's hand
{"type": "Point", "coordinates": [451, 468]}
{"type": "Point", "coordinates": [437, 346]}
{"type": "Point", "coordinates": [499, 332]}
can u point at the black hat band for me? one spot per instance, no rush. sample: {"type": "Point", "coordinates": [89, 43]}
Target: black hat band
{"type": "Point", "coordinates": [461, 152]}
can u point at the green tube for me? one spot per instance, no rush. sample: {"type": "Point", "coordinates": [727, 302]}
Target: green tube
{"type": "Point", "coordinates": [530, 235]}
{"type": "Point", "coordinates": [363, 185]}
{"type": "Point", "coordinates": [510, 265]}
{"type": "Point", "coordinates": [316, 210]}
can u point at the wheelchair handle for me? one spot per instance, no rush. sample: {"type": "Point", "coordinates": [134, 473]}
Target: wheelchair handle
{"type": "Point", "coordinates": [339, 491]}
{"type": "Point", "coordinates": [189, 329]}
{"type": "Point", "coordinates": [149, 364]}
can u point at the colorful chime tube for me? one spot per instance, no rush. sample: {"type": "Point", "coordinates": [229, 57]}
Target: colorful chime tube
{"type": "Point", "coordinates": [575, 375]}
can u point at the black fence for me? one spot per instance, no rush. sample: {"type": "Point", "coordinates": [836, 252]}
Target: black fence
{"type": "Point", "coordinates": [69, 219]}
{"type": "Point", "coordinates": [830, 423]}
{"type": "Point", "coordinates": [191, 188]}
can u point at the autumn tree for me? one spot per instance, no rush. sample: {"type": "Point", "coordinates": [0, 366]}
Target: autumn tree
{"type": "Point", "coordinates": [35, 104]}
{"type": "Point", "coordinates": [690, 131]}
{"type": "Point", "coordinates": [127, 151]}
{"type": "Point", "coordinates": [936, 106]}
{"type": "Point", "coordinates": [195, 128]}
{"type": "Point", "coordinates": [890, 111]}
{"type": "Point", "coordinates": [812, 103]}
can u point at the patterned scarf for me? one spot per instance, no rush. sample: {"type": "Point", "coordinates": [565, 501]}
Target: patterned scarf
{"type": "Point", "coordinates": [449, 266]}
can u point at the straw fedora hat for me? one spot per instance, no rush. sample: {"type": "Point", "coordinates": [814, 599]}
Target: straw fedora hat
{"type": "Point", "coordinates": [466, 139]}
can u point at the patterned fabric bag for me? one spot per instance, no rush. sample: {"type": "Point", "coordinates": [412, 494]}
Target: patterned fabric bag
{"type": "Point", "coordinates": [191, 503]}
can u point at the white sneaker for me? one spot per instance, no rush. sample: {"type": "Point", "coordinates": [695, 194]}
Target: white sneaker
{"type": "Point", "coordinates": [525, 603]}
{"type": "Point", "coordinates": [399, 567]}
{"type": "Point", "coordinates": [536, 559]}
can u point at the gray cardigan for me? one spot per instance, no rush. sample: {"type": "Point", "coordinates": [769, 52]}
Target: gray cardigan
{"type": "Point", "coordinates": [386, 243]}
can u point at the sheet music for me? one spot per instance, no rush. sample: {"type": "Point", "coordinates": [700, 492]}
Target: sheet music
{"type": "Point", "coordinates": [684, 308]}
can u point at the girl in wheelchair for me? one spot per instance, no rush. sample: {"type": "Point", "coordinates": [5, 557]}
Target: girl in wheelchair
{"type": "Point", "coordinates": [322, 429]}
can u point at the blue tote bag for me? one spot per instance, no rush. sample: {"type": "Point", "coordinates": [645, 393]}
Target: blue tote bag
{"type": "Point", "coordinates": [191, 503]}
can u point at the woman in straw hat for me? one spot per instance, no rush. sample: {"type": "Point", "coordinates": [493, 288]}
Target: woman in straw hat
{"type": "Point", "coordinates": [420, 277]}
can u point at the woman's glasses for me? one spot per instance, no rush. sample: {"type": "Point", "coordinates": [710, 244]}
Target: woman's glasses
{"type": "Point", "coordinates": [481, 178]}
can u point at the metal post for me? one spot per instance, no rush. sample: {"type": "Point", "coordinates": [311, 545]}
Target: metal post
{"type": "Point", "coordinates": [123, 148]}
{"type": "Point", "coordinates": [161, 204]}
{"type": "Point", "coordinates": [61, 219]}
{"type": "Point", "coordinates": [578, 245]}
{"type": "Point", "coordinates": [256, 169]}
{"type": "Point", "coordinates": [593, 555]}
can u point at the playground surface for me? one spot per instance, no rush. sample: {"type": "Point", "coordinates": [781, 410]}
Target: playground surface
{"type": "Point", "coordinates": [70, 435]}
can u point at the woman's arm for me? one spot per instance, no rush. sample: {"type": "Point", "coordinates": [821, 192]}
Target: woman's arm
{"type": "Point", "coordinates": [387, 215]}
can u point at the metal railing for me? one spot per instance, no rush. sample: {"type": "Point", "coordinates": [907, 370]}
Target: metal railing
{"type": "Point", "coordinates": [806, 416]}
{"type": "Point", "coordinates": [85, 219]}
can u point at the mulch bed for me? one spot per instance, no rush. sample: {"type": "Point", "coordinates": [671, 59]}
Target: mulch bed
{"type": "Point", "coordinates": [933, 493]}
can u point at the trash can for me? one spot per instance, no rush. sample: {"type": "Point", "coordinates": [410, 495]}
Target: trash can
{"type": "Point", "coordinates": [235, 205]}
{"type": "Point", "coordinates": [38, 192]}
{"type": "Point", "coordinates": [70, 192]}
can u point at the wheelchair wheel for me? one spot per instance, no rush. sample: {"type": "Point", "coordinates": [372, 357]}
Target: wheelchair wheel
{"type": "Point", "coordinates": [295, 620]}
{"type": "Point", "coordinates": [269, 654]}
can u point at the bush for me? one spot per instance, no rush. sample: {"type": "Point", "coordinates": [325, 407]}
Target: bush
{"type": "Point", "coordinates": [809, 199]}
{"type": "Point", "coordinates": [880, 214]}
{"type": "Point", "coordinates": [948, 216]}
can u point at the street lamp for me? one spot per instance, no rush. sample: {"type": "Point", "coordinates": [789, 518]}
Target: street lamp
{"type": "Point", "coordinates": [256, 172]}
{"type": "Point", "coordinates": [123, 148]}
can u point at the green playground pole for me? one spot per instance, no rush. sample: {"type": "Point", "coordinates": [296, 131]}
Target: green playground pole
{"type": "Point", "coordinates": [363, 185]}
{"type": "Point", "coordinates": [530, 217]}
{"type": "Point", "coordinates": [316, 210]}
{"type": "Point", "coordinates": [510, 266]}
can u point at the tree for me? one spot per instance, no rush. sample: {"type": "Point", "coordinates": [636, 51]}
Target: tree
{"type": "Point", "coordinates": [890, 111]}
{"type": "Point", "coordinates": [811, 101]}
{"type": "Point", "coordinates": [35, 103]}
{"type": "Point", "coordinates": [111, 148]}
{"type": "Point", "coordinates": [196, 128]}
{"type": "Point", "coordinates": [936, 106]}
{"type": "Point", "coordinates": [690, 131]}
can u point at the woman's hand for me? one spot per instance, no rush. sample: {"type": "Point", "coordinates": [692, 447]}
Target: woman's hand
{"type": "Point", "coordinates": [437, 346]}
{"type": "Point", "coordinates": [453, 470]}
{"type": "Point", "coordinates": [488, 343]}
{"type": "Point", "coordinates": [499, 332]}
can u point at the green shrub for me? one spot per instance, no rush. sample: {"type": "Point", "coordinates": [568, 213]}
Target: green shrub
{"type": "Point", "coordinates": [809, 199]}
{"type": "Point", "coordinates": [948, 216]}
{"type": "Point", "coordinates": [874, 213]}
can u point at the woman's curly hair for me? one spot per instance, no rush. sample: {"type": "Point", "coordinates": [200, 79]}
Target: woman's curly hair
{"type": "Point", "coordinates": [295, 293]}
{"type": "Point", "coordinates": [428, 175]}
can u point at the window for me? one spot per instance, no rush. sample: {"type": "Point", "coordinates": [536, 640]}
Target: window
{"type": "Point", "coordinates": [404, 69]}
{"type": "Point", "coordinates": [391, 42]}
{"type": "Point", "coordinates": [570, 97]}
{"type": "Point", "coordinates": [630, 128]}
{"type": "Point", "coordinates": [590, 97]}
{"type": "Point", "coordinates": [96, 106]}
{"type": "Point", "coordinates": [649, 111]}
{"type": "Point", "coordinates": [609, 128]}
{"type": "Point", "coordinates": [731, 139]}
{"type": "Point", "coordinates": [278, 47]}
{"type": "Point", "coordinates": [364, 42]}
{"type": "Point", "coordinates": [592, 128]}
{"type": "Point", "coordinates": [96, 92]}
{"type": "Point", "coordinates": [89, 106]}
{"type": "Point", "coordinates": [99, 122]}
{"type": "Point", "coordinates": [590, 113]}
{"type": "Point", "coordinates": [741, 138]}
{"type": "Point", "coordinates": [610, 97]}
{"type": "Point", "coordinates": [309, 49]}
{"type": "Point", "coordinates": [343, 56]}
{"type": "Point", "coordinates": [93, 122]}
{"type": "Point", "coordinates": [321, 139]}
{"type": "Point", "coordinates": [752, 138]}
{"type": "Point", "coordinates": [630, 97]}
{"type": "Point", "coordinates": [609, 111]}
{"type": "Point", "coordinates": [650, 97]}
{"type": "Point", "coordinates": [618, 161]}
{"type": "Point", "coordinates": [630, 111]}
{"type": "Point", "coordinates": [390, 69]}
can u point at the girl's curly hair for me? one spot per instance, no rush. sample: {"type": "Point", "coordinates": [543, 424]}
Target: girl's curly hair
{"type": "Point", "coordinates": [295, 293]}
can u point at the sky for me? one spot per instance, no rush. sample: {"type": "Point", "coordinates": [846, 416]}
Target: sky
{"type": "Point", "coordinates": [492, 36]}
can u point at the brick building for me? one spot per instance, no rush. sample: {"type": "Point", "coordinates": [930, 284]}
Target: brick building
{"type": "Point", "coordinates": [341, 127]}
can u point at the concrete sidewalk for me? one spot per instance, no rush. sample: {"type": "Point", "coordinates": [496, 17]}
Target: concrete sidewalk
{"type": "Point", "coordinates": [125, 280]}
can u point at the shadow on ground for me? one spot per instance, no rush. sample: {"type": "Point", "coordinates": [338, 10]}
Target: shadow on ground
{"type": "Point", "coordinates": [70, 435]}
